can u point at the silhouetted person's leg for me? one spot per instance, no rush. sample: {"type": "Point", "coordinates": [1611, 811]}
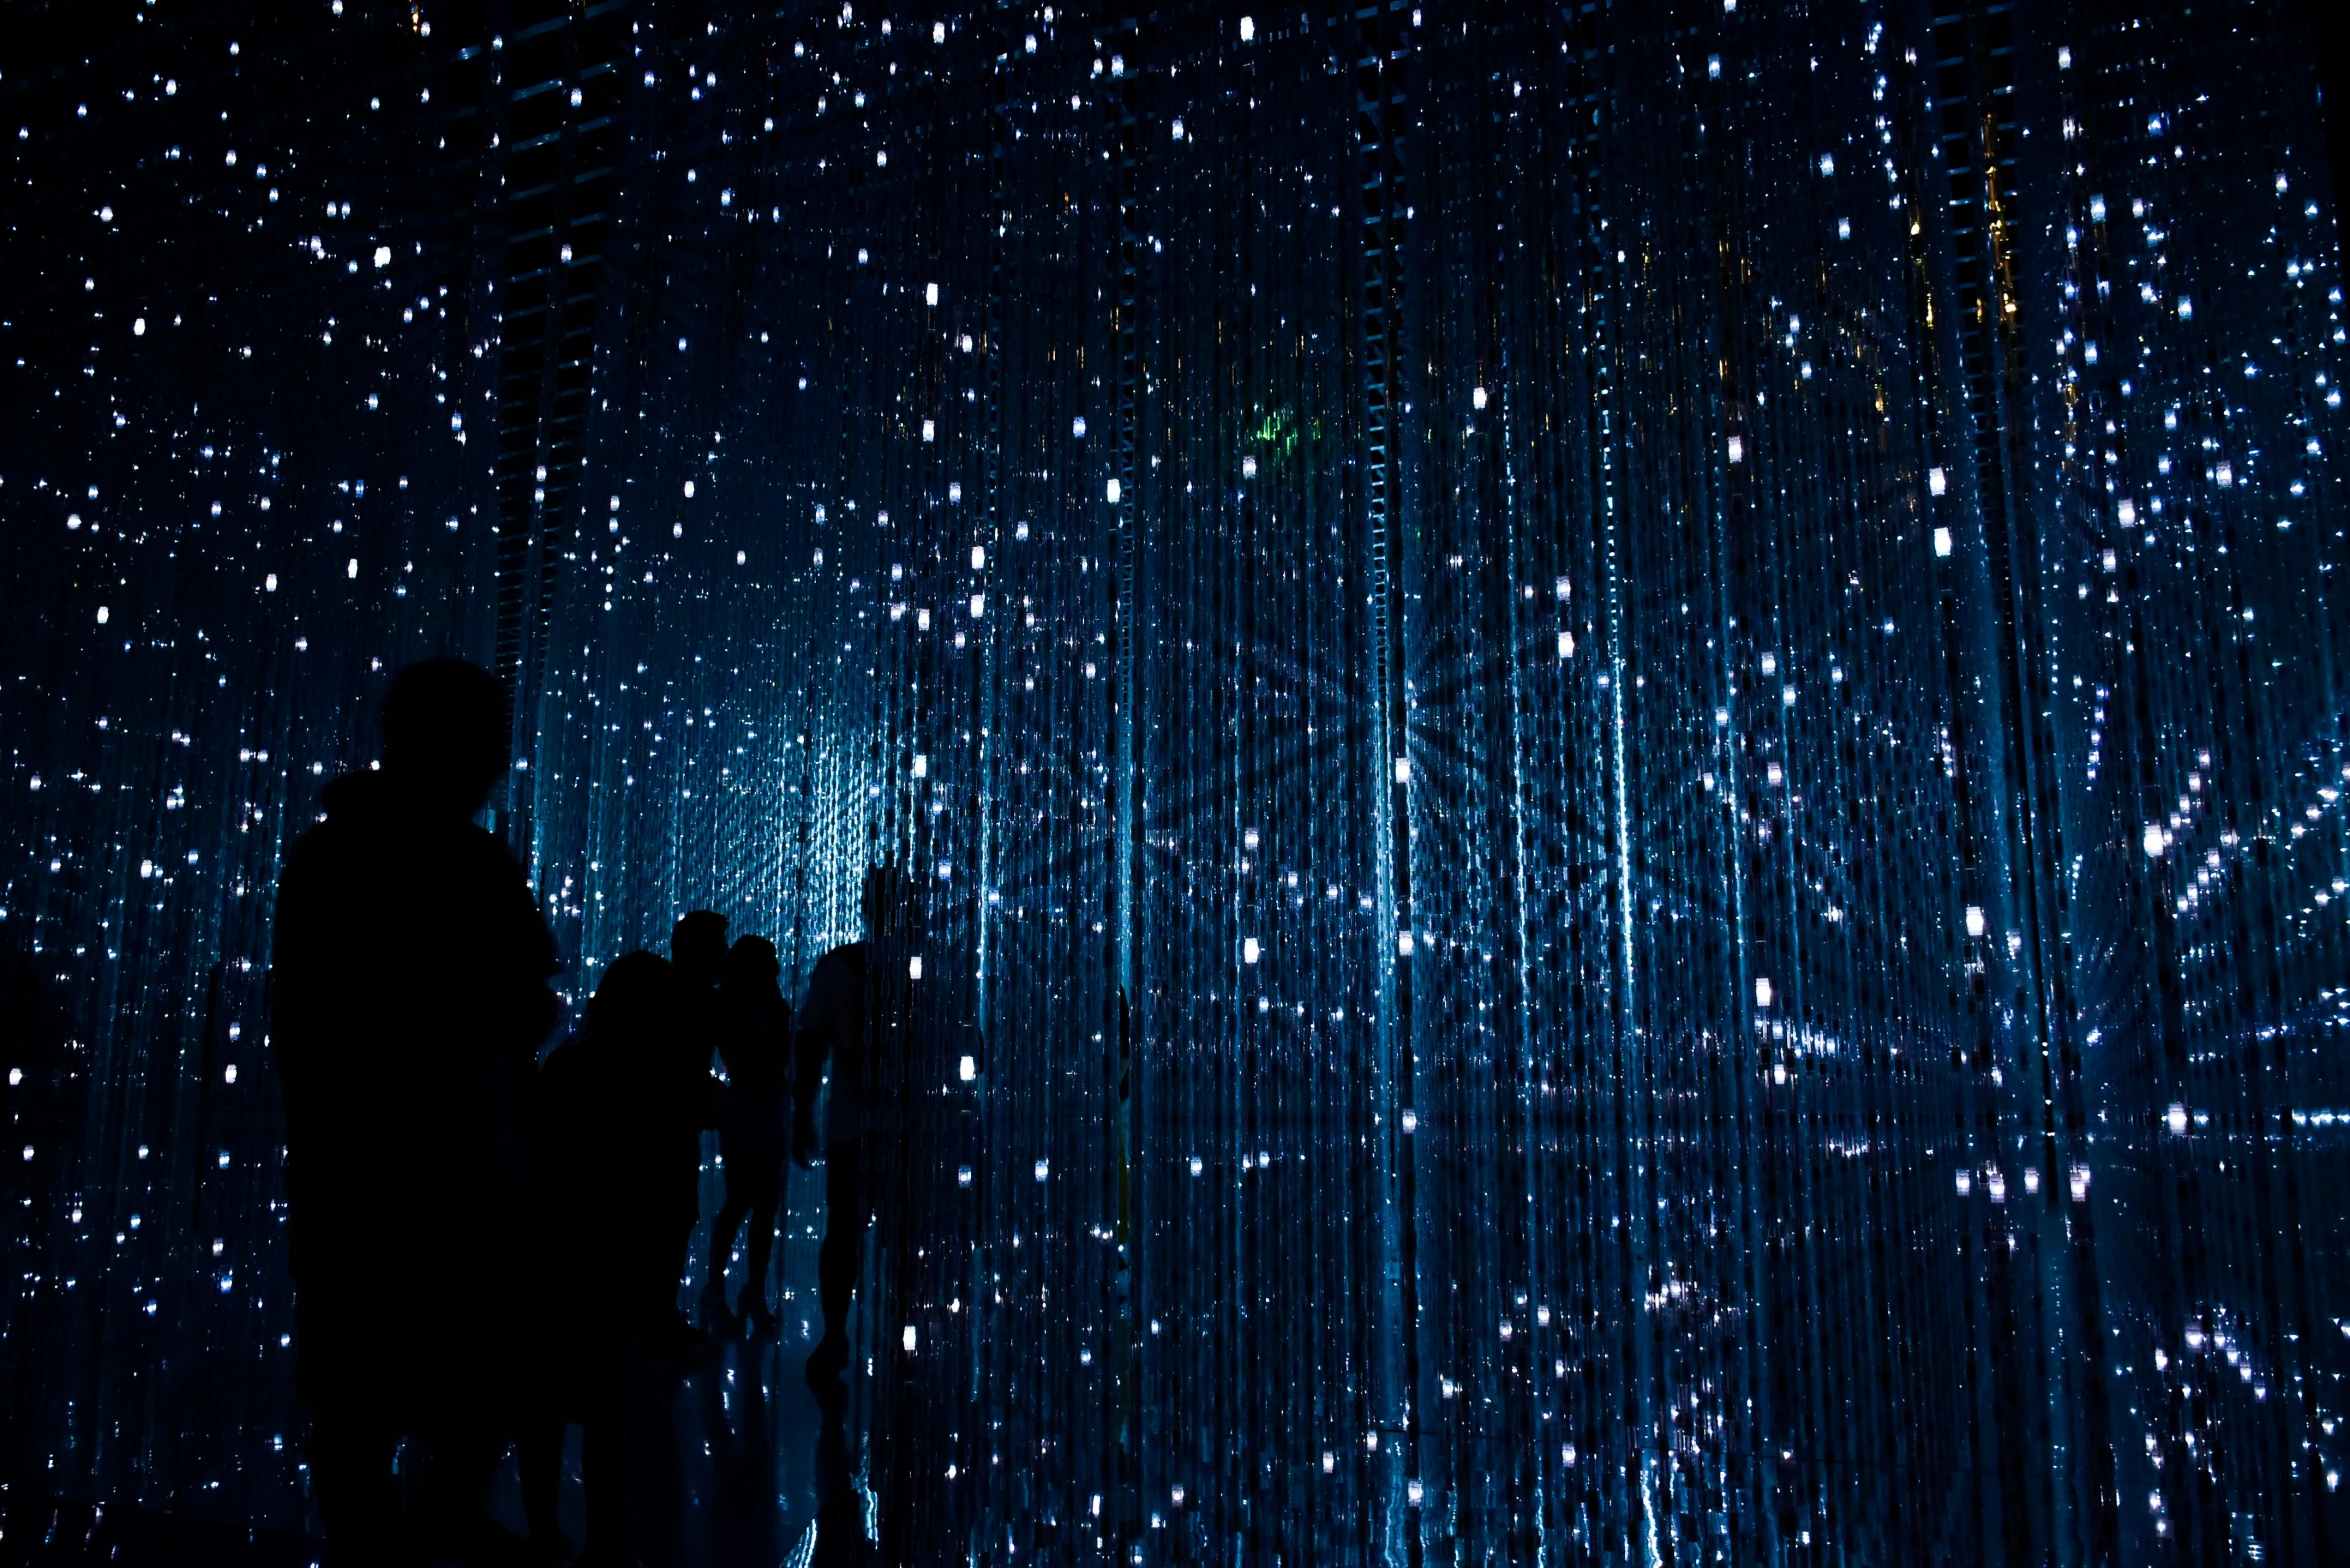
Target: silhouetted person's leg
{"type": "Point", "coordinates": [840, 1530]}
{"type": "Point", "coordinates": [837, 1260]}
{"type": "Point", "coordinates": [350, 1455]}
{"type": "Point", "coordinates": [840, 1514]}
{"type": "Point", "coordinates": [539, 1455]}
{"type": "Point", "coordinates": [730, 1215]}
{"type": "Point", "coordinates": [681, 1254]}
{"type": "Point", "coordinates": [645, 1289]}
{"type": "Point", "coordinates": [603, 1463]}
{"type": "Point", "coordinates": [766, 1199]}
{"type": "Point", "coordinates": [754, 1190]}
{"type": "Point", "coordinates": [464, 1452]}
{"type": "Point", "coordinates": [683, 1213]}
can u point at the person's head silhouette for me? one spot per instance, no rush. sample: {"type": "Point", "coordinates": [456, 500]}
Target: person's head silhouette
{"type": "Point", "coordinates": [697, 945]}
{"type": "Point", "coordinates": [633, 1002]}
{"type": "Point", "coordinates": [752, 960]}
{"type": "Point", "coordinates": [446, 741]}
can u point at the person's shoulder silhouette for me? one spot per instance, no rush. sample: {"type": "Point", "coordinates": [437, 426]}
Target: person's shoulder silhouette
{"type": "Point", "coordinates": [834, 1012]}
{"type": "Point", "coordinates": [839, 975]}
{"type": "Point", "coordinates": [609, 1261]}
{"type": "Point", "coordinates": [602, 1146]}
{"type": "Point", "coordinates": [754, 1018]}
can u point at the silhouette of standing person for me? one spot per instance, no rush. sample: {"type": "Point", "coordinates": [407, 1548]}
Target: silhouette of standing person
{"type": "Point", "coordinates": [754, 1109]}
{"type": "Point", "coordinates": [410, 976]}
{"type": "Point", "coordinates": [857, 992]}
{"type": "Point", "coordinates": [609, 1241]}
{"type": "Point", "coordinates": [684, 1100]}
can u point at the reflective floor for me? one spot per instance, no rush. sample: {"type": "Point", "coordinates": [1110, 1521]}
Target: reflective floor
{"type": "Point", "coordinates": [731, 1454]}
{"type": "Point", "coordinates": [728, 1458]}
{"type": "Point", "coordinates": [51, 1531]}
{"type": "Point", "coordinates": [726, 1461]}
{"type": "Point", "coordinates": [731, 1458]}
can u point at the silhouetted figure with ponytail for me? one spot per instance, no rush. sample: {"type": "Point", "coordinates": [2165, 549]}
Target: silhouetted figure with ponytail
{"type": "Point", "coordinates": [410, 976]}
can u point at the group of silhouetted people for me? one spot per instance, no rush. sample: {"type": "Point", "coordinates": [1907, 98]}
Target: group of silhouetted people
{"type": "Point", "coordinates": [483, 1244]}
